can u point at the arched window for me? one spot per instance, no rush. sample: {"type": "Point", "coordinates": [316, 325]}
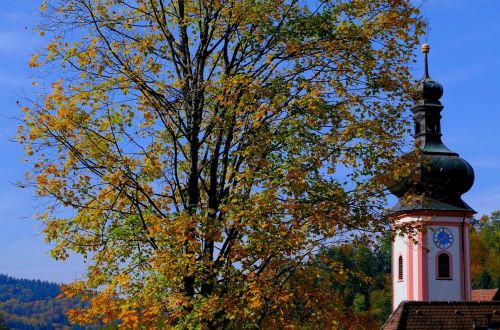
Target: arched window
{"type": "Point", "coordinates": [443, 266]}
{"type": "Point", "coordinates": [400, 268]}
{"type": "Point", "coordinates": [417, 127]}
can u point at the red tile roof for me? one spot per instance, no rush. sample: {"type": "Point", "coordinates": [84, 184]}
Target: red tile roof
{"type": "Point", "coordinates": [445, 315]}
{"type": "Point", "coordinates": [486, 295]}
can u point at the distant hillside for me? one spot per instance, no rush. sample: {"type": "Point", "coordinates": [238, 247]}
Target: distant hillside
{"type": "Point", "coordinates": [31, 304]}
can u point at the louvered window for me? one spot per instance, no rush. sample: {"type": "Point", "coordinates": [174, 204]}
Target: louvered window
{"type": "Point", "coordinates": [444, 266]}
{"type": "Point", "coordinates": [400, 268]}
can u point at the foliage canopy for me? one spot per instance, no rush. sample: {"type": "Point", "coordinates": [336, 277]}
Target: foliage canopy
{"type": "Point", "coordinates": [485, 259]}
{"type": "Point", "coordinates": [199, 153]}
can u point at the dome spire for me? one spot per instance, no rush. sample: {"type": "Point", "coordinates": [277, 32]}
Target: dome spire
{"type": "Point", "coordinates": [441, 175]}
{"type": "Point", "coordinates": [427, 111]}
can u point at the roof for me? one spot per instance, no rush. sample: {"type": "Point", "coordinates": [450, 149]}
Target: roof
{"type": "Point", "coordinates": [445, 315]}
{"type": "Point", "coordinates": [486, 295]}
{"type": "Point", "coordinates": [421, 203]}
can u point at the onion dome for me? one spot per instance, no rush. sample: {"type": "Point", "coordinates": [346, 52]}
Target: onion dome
{"type": "Point", "coordinates": [441, 176]}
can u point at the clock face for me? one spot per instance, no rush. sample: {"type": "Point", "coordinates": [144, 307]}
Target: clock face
{"type": "Point", "coordinates": [443, 238]}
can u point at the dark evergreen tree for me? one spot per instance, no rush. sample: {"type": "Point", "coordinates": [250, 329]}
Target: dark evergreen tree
{"type": "Point", "coordinates": [484, 281]}
{"type": "Point", "coordinates": [3, 324]}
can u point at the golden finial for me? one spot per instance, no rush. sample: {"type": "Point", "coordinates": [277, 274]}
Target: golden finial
{"type": "Point", "coordinates": [425, 50]}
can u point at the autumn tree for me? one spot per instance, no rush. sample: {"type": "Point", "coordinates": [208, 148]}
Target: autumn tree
{"type": "Point", "coordinates": [484, 246]}
{"type": "Point", "coordinates": [365, 287]}
{"type": "Point", "coordinates": [198, 153]}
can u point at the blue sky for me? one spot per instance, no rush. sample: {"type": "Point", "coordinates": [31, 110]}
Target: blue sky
{"type": "Point", "coordinates": [464, 37]}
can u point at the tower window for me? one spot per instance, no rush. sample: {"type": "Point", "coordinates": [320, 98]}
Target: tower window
{"type": "Point", "coordinates": [443, 266]}
{"type": "Point", "coordinates": [400, 268]}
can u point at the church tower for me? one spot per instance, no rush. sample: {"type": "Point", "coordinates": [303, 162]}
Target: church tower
{"type": "Point", "coordinates": [433, 263]}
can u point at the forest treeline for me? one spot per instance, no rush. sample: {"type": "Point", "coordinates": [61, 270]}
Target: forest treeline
{"type": "Point", "coordinates": [364, 291]}
{"type": "Point", "coordinates": [32, 304]}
